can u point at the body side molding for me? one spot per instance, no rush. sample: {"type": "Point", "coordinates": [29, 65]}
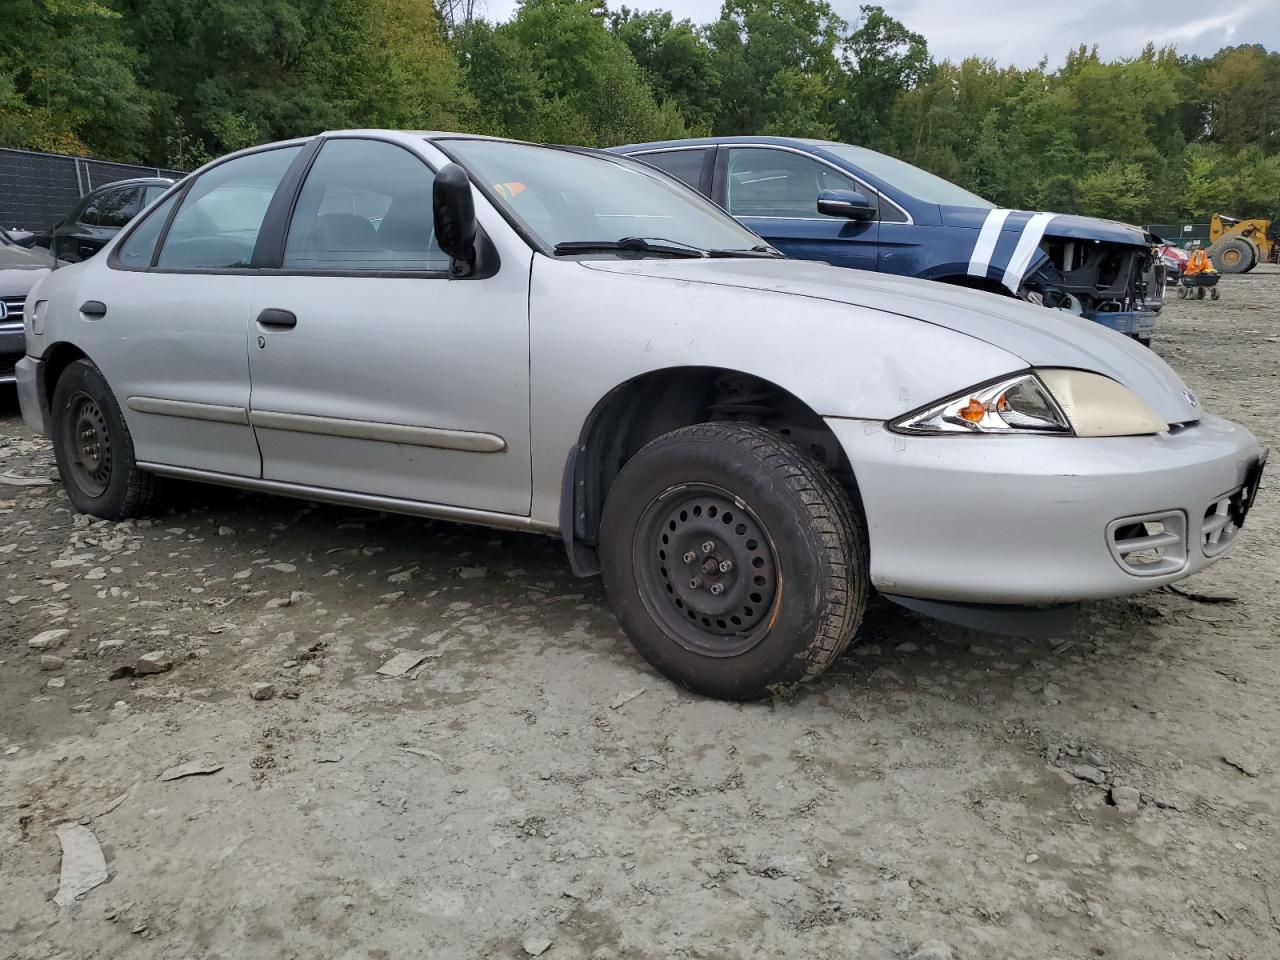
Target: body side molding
{"type": "Point", "coordinates": [465, 440]}
{"type": "Point", "coordinates": [189, 409]}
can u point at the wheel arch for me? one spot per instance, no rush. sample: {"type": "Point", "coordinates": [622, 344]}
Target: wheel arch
{"type": "Point", "coordinates": [56, 359]}
{"type": "Point", "coordinates": [650, 404]}
{"type": "Point", "coordinates": [984, 284]}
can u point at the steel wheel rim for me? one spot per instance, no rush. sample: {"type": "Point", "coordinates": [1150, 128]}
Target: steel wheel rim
{"type": "Point", "coordinates": [722, 602]}
{"type": "Point", "coordinates": [88, 444]}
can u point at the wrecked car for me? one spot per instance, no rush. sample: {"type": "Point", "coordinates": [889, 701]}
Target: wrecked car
{"type": "Point", "coordinates": [853, 207]}
{"type": "Point", "coordinates": [567, 342]}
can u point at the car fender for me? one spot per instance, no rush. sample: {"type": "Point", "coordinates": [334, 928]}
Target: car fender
{"type": "Point", "coordinates": [593, 328]}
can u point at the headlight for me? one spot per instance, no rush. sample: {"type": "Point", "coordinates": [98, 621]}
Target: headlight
{"type": "Point", "coordinates": [1054, 402]}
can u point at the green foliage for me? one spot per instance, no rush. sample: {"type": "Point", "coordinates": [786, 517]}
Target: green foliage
{"type": "Point", "coordinates": [1156, 137]}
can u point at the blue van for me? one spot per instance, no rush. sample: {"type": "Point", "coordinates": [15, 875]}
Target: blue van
{"type": "Point", "coordinates": [853, 207]}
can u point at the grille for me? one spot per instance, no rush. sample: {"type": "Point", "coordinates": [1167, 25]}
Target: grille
{"type": "Point", "coordinates": [1219, 529]}
{"type": "Point", "coordinates": [1151, 545]}
{"type": "Point", "coordinates": [15, 307]}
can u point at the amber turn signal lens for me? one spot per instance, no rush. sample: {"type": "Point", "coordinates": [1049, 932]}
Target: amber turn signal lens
{"type": "Point", "coordinates": [973, 411]}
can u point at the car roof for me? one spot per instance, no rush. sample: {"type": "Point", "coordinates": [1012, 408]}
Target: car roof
{"type": "Point", "coordinates": [133, 182]}
{"type": "Point", "coordinates": [715, 141]}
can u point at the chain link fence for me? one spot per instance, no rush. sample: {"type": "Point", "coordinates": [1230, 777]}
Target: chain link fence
{"type": "Point", "coordinates": [38, 189]}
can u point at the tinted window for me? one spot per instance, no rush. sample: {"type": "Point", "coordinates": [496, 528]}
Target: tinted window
{"type": "Point", "coordinates": [118, 207]}
{"type": "Point", "coordinates": [684, 165]}
{"type": "Point", "coordinates": [139, 247]}
{"type": "Point", "coordinates": [151, 194]}
{"type": "Point", "coordinates": [778, 183]}
{"type": "Point", "coordinates": [366, 205]}
{"type": "Point", "coordinates": [221, 214]}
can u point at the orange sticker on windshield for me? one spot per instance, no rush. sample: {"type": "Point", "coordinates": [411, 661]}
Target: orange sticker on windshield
{"type": "Point", "coordinates": [509, 190]}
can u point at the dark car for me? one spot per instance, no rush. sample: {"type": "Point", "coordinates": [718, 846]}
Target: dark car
{"type": "Point", "coordinates": [20, 269]}
{"type": "Point", "coordinates": [98, 216]}
{"type": "Point", "coordinates": [853, 207]}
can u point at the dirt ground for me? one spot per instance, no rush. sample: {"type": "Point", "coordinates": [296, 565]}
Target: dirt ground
{"type": "Point", "coordinates": [936, 784]}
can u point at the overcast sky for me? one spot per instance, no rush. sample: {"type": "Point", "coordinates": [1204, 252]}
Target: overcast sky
{"type": "Point", "coordinates": [1022, 31]}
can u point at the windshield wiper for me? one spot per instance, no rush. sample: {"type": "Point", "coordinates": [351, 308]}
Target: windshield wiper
{"type": "Point", "coordinates": [672, 248]}
{"type": "Point", "coordinates": [760, 251]}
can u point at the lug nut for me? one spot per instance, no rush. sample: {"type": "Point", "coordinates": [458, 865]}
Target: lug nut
{"type": "Point", "coordinates": [717, 589]}
{"type": "Point", "coordinates": [690, 557]}
{"type": "Point", "coordinates": [695, 583]}
{"type": "Point", "coordinates": [708, 546]}
{"type": "Point", "coordinates": [726, 566]}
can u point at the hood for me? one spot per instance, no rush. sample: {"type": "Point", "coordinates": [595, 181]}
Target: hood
{"type": "Point", "coordinates": [1038, 336]}
{"type": "Point", "coordinates": [15, 258]}
{"type": "Point", "coordinates": [1066, 225]}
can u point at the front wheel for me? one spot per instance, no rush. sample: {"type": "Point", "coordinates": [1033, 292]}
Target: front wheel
{"type": "Point", "coordinates": [736, 564]}
{"type": "Point", "coordinates": [94, 449]}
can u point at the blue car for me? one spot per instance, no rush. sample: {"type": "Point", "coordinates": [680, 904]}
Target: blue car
{"type": "Point", "coordinates": [853, 207]}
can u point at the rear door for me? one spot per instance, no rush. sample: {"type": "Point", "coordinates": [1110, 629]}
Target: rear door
{"type": "Point", "coordinates": [375, 372]}
{"type": "Point", "coordinates": [172, 335]}
{"type": "Point", "coordinates": [774, 191]}
{"type": "Point", "coordinates": [115, 208]}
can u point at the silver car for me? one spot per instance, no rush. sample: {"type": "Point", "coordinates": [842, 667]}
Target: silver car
{"type": "Point", "coordinates": [570, 343]}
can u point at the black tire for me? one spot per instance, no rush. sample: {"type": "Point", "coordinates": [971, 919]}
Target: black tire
{"type": "Point", "coordinates": [1215, 293]}
{"type": "Point", "coordinates": [1234, 255]}
{"type": "Point", "coordinates": [790, 527]}
{"type": "Point", "coordinates": [1199, 293]}
{"type": "Point", "coordinates": [94, 449]}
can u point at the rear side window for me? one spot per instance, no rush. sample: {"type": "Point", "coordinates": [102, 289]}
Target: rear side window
{"type": "Point", "coordinates": [684, 165]}
{"type": "Point", "coordinates": [365, 206]}
{"type": "Point", "coordinates": [217, 225]}
{"type": "Point", "coordinates": [140, 246]}
{"type": "Point", "coordinates": [118, 207]}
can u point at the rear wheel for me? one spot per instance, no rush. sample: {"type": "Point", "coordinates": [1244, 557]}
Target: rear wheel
{"type": "Point", "coordinates": [735, 563]}
{"type": "Point", "coordinates": [94, 449]}
{"type": "Point", "coordinates": [1235, 255]}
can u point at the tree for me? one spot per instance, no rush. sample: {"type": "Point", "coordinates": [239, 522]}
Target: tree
{"type": "Point", "coordinates": [881, 58]}
{"type": "Point", "coordinates": [676, 61]}
{"type": "Point", "coordinates": [756, 40]}
{"type": "Point", "coordinates": [68, 80]}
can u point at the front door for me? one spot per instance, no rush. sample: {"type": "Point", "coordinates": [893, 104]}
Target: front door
{"type": "Point", "coordinates": [372, 370]}
{"type": "Point", "coordinates": [774, 192]}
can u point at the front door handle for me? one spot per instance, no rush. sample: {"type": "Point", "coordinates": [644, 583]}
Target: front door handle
{"type": "Point", "coordinates": [277, 319]}
{"type": "Point", "coordinates": [93, 308]}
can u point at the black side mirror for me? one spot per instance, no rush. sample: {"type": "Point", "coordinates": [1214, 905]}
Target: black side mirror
{"type": "Point", "coordinates": [455, 218]}
{"type": "Point", "coordinates": [849, 204]}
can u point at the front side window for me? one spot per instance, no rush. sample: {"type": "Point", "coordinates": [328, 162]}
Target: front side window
{"type": "Point", "coordinates": [217, 225]}
{"type": "Point", "coordinates": [152, 193]}
{"type": "Point", "coordinates": [139, 247]}
{"type": "Point", "coordinates": [365, 206]}
{"type": "Point", "coordinates": [684, 165]}
{"type": "Point", "coordinates": [778, 183]}
{"type": "Point", "coordinates": [118, 207]}
{"type": "Point", "coordinates": [574, 197]}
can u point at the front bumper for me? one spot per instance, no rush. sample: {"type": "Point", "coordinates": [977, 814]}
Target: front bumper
{"type": "Point", "coordinates": [30, 378]}
{"type": "Point", "coordinates": [1035, 520]}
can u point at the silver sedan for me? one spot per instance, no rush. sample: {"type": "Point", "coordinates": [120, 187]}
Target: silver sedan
{"type": "Point", "coordinates": [567, 342]}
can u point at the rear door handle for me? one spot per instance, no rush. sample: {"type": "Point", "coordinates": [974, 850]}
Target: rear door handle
{"type": "Point", "coordinates": [93, 308]}
{"type": "Point", "coordinates": [277, 319]}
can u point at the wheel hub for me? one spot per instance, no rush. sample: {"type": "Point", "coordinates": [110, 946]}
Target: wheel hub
{"type": "Point", "coordinates": [90, 445]}
{"type": "Point", "coordinates": [713, 569]}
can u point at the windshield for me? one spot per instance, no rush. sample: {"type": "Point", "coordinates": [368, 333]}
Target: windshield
{"type": "Point", "coordinates": [910, 180]}
{"type": "Point", "coordinates": [563, 197]}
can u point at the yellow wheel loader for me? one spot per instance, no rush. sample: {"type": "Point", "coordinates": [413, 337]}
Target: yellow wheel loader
{"type": "Point", "coordinates": [1237, 246]}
